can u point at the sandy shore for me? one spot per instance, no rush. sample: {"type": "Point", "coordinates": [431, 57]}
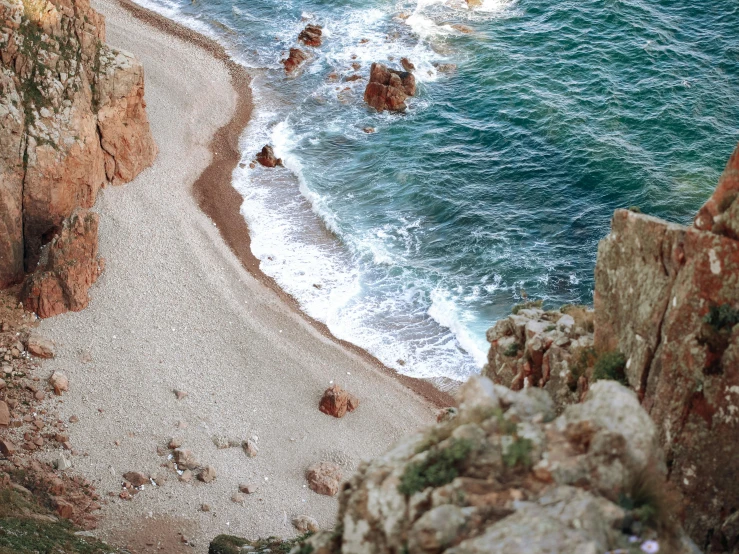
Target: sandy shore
{"type": "Point", "coordinates": [176, 309]}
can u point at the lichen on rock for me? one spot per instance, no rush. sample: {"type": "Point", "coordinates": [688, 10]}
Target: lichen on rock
{"type": "Point", "coordinates": [506, 476]}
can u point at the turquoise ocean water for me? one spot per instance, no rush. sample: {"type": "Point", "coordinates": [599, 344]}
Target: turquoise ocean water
{"type": "Point", "coordinates": [503, 174]}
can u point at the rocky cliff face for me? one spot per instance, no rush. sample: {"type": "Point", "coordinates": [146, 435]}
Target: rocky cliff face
{"type": "Point", "coordinates": [72, 119]}
{"type": "Point", "coordinates": [666, 322]}
{"type": "Point", "coordinates": [504, 476]}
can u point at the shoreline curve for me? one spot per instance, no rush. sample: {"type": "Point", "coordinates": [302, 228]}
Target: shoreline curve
{"type": "Point", "coordinates": [220, 201]}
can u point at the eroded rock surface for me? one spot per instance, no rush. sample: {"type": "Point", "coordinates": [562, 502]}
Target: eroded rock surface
{"type": "Point", "coordinates": [72, 119]}
{"type": "Point", "coordinates": [666, 322]}
{"type": "Point", "coordinates": [68, 267]}
{"type": "Point", "coordinates": [504, 476]}
{"type": "Point", "coordinates": [547, 349]}
{"type": "Point", "coordinates": [388, 89]}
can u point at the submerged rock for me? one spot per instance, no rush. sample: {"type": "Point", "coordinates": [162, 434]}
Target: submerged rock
{"type": "Point", "coordinates": [388, 89]}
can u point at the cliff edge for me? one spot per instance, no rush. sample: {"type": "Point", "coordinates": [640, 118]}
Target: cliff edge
{"type": "Point", "coordinates": [72, 119]}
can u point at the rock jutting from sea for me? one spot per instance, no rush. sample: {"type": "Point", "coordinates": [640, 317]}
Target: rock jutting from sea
{"type": "Point", "coordinates": [72, 119]}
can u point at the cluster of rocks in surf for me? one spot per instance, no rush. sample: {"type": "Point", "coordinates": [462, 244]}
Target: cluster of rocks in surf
{"type": "Point", "coordinates": [388, 89]}
{"type": "Point", "coordinates": [310, 36]}
{"type": "Point", "coordinates": [72, 119]}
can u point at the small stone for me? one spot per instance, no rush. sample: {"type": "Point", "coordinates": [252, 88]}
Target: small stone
{"type": "Point", "coordinates": [59, 383]}
{"type": "Point", "coordinates": [61, 437]}
{"type": "Point", "coordinates": [180, 394]}
{"type": "Point", "coordinates": [369, 130]}
{"type": "Point", "coordinates": [186, 476]}
{"type": "Point", "coordinates": [2, 384]}
{"type": "Point", "coordinates": [161, 450]}
{"type": "Point", "coordinates": [185, 458]}
{"type": "Point", "coordinates": [159, 479]}
{"type": "Point", "coordinates": [324, 478]}
{"type": "Point", "coordinates": [250, 448]}
{"type": "Point", "coordinates": [4, 413]}
{"type": "Point", "coordinates": [182, 424]}
{"type": "Point", "coordinates": [238, 498]}
{"type": "Point", "coordinates": [73, 419]}
{"type": "Point", "coordinates": [305, 523]}
{"type": "Point", "coordinates": [61, 463]}
{"type": "Point", "coordinates": [247, 488]}
{"type": "Point", "coordinates": [221, 442]}
{"type": "Point", "coordinates": [40, 395]}
{"type": "Point", "coordinates": [7, 448]}
{"type": "Point", "coordinates": [136, 478]}
{"type": "Point", "coordinates": [205, 507]}
{"type": "Point", "coordinates": [39, 346]}
{"type": "Point", "coordinates": [207, 475]}
{"type": "Point", "coordinates": [174, 443]}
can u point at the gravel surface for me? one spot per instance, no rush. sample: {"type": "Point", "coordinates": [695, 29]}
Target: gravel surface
{"type": "Point", "coordinates": [175, 309]}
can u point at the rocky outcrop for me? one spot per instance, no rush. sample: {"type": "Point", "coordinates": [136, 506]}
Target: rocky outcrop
{"type": "Point", "coordinates": [547, 349]}
{"type": "Point", "coordinates": [295, 58]}
{"type": "Point", "coordinates": [666, 322]}
{"type": "Point", "coordinates": [68, 267]}
{"type": "Point", "coordinates": [72, 119]}
{"type": "Point", "coordinates": [388, 89]}
{"type": "Point", "coordinates": [311, 35]}
{"type": "Point", "coordinates": [336, 402]}
{"type": "Point", "coordinates": [266, 157]}
{"type": "Point", "coordinates": [505, 477]}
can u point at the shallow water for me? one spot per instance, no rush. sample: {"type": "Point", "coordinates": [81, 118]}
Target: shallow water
{"type": "Point", "coordinates": [503, 174]}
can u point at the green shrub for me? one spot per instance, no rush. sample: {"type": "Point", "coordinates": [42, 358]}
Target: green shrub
{"type": "Point", "coordinates": [518, 452]}
{"type": "Point", "coordinates": [722, 317]}
{"type": "Point", "coordinates": [610, 365]}
{"type": "Point", "coordinates": [512, 350]}
{"type": "Point", "coordinates": [440, 467]}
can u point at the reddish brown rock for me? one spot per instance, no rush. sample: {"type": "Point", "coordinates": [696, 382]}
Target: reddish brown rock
{"type": "Point", "coordinates": [720, 213]}
{"type": "Point", "coordinates": [311, 35]}
{"type": "Point", "coordinates": [68, 268]}
{"type": "Point", "coordinates": [407, 64]}
{"type": "Point", "coordinates": [136, 478]}
{"type": "Point", "coordinates": [294, 59]}
{"type": "Point", "coordinates": [666, 297]}
{"type": "Point", "coordinates": [207, 474]}
{"type": "Point", "coordinates": [7, 448]}
{"type": "Point", "coordinates": [39, 346]}
{"type": "Point", "coordinates": [71, 119]}
{"type": "Point", "coordinates": [336, 402]}
{"type": "Point", "coordinates": [388, 89]}
{"type": "Point", "coordinates": [4, 414]}
{"type": "Point", "coordinates": [324, 478]}
{"type": "Point", "coordinates": [267, 158]}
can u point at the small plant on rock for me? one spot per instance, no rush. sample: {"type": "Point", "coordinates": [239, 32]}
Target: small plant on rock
{"type": "Point", "coordinates": [527, 306]}
{"type": "Point", "coordinates": [610, 365]}
{"type": "Point", "coordinates": [440, 467]}
{"type": "Point", "coordinates": [512, 350]}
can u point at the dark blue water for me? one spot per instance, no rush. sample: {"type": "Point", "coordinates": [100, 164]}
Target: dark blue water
{"type": "Point", "coordinates": [503, 174]}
